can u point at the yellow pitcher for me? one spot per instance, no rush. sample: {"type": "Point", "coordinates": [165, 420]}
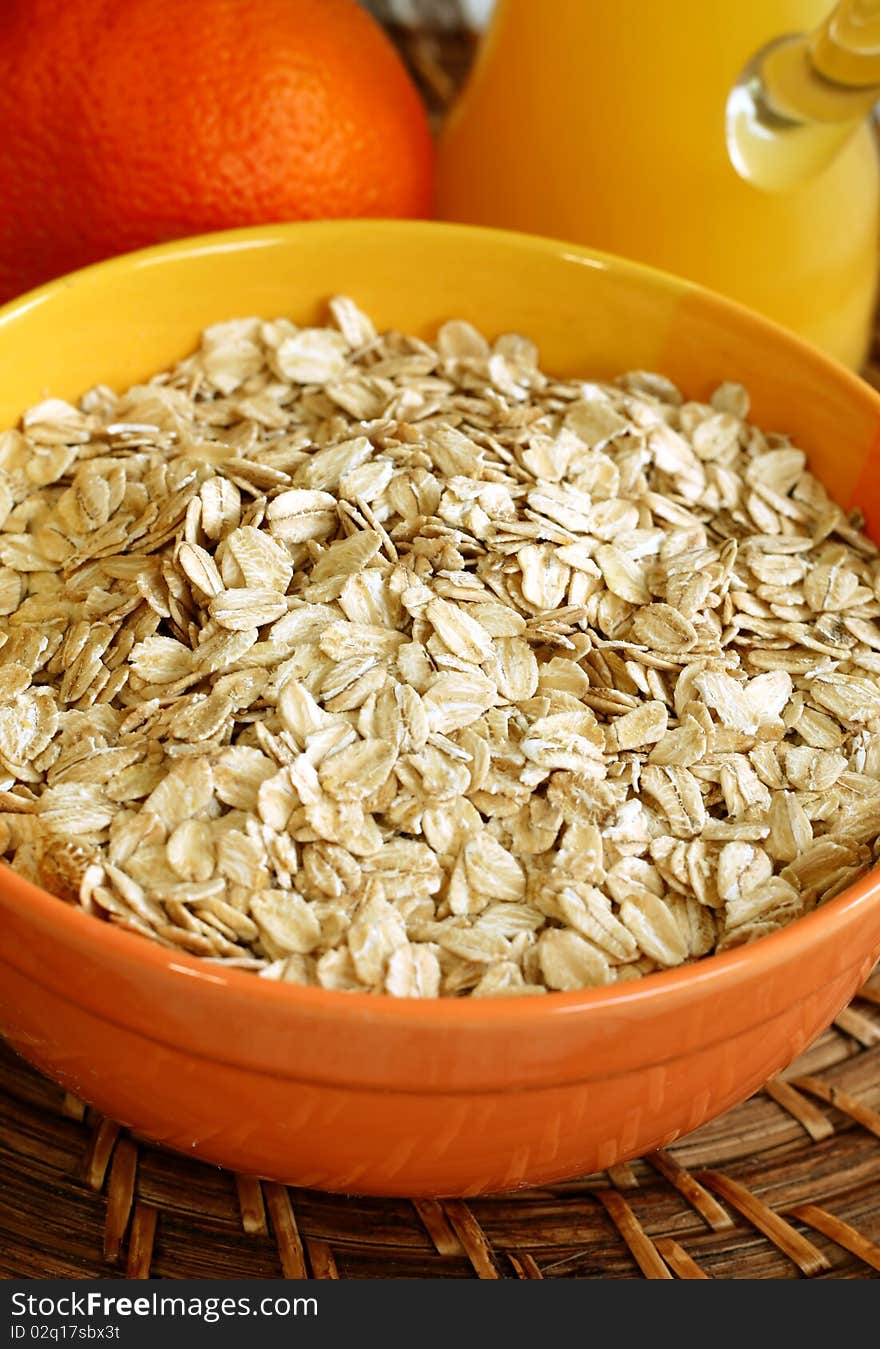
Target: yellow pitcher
{"type": "Point", "coordinates": [726, 140]}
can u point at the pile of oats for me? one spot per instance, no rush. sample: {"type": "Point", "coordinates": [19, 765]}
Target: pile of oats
{"type": "Point", "coordinates": [378, 665]}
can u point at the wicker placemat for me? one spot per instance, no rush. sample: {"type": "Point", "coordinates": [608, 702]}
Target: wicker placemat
{"type": "Point", "coordinates": [784, 1186]}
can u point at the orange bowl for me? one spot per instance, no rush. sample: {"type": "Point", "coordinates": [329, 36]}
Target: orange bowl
{"type": "Point", "coordinates": [378, 1095]}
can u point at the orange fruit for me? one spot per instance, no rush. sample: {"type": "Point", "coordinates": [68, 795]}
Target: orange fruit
{"type": "Point", "coordinates": [126, 122]}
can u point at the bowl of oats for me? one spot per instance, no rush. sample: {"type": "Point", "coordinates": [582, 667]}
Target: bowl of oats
{"type": "Point", "coordinates": [439, 701]}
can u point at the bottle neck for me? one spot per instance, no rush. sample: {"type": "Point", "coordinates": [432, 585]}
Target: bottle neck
{"type": "Point", "coordinates": [801, 98]}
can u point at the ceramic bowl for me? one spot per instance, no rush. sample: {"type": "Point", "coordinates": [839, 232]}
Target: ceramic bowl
{"type": "Point", "coordinates": [376, 1095]}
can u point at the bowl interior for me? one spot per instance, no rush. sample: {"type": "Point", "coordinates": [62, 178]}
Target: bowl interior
{"type": "Point", "coordinates": [591, 315]}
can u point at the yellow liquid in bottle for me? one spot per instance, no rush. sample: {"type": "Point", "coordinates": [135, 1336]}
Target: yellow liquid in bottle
{"type": "Point", "coordinates": [604, 123]}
